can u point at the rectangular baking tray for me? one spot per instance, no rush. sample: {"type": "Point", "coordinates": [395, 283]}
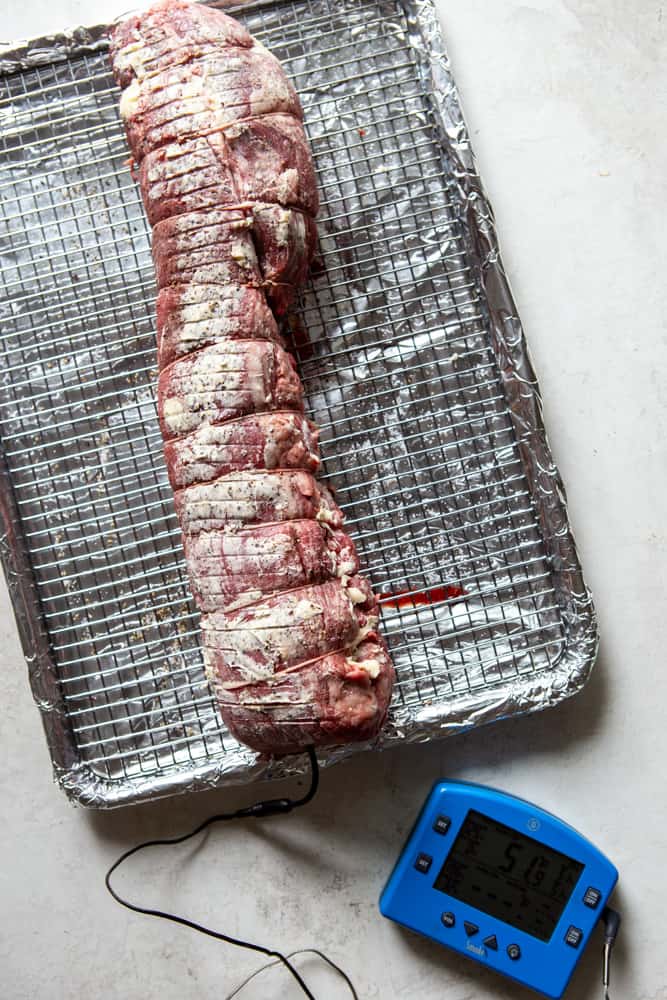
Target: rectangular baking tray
{"type": "Point", "coordinates": [415, 367]}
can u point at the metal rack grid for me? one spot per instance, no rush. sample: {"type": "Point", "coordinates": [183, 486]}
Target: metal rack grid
{"type": "Point", "coordinates": [399, 371]}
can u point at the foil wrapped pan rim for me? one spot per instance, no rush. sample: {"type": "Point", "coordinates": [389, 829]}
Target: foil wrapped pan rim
{"type": "Point", "coordinates": [504, 698]}
{"type": "Point", "coordinates": [32, 52]}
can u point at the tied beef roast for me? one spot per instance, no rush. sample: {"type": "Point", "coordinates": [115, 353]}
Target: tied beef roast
{"type": "Point", "coordinates": [289, 628]}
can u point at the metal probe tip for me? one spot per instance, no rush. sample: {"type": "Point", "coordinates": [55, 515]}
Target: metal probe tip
{"type": "Point", "coordinates": [606, 961]}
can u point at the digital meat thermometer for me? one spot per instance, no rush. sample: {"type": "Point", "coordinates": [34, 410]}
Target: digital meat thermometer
{"type": "Point", "coordinates": [503, 882]}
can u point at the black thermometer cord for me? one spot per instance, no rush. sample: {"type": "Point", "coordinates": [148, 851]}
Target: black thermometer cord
{"type": "Point", "coordinates": [269, 807]}
{"type": "Point", "coordinates": [272, 807]}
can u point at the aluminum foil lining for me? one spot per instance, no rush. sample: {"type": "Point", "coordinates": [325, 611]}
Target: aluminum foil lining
{"type": "Point", "coordinates": [415, 367]}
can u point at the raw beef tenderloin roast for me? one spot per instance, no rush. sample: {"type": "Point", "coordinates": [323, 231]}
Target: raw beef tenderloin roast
{"type": "Point", "coordinates": [288, 625]}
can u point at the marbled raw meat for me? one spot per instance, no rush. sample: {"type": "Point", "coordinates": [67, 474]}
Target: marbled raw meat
{"type": "Point", "coordinates": [204, 95]}
{"type": "Point", "coordinates": [239, 567]}
{"type": "Point", "coordinates": [288, 625]}
{"type": "Point", "coordinates": [244, 498]}
{"type": "Point", "coordinates": [192, 316]}
{"type": "Point", "coordinates": [257, 641]}
{"type": "Point", "coordinates": [256, 160]}
{"type": "Point", "coordinates": [187, 176]}
{"type": "Point", "coordinates": [213, 247]}
{"type": "Point", "coordinates": [267, 245]}
{"type": "Point", "coordinates": [225, 381]}
{"type": "Point", "coordinates": [168, 34]}
{"type": "Point", "coordinates": [285, 240]}
{"type": "Point", "coordinates": [275, 440]}
{"type": "Point", "coordinates": [341, 697]}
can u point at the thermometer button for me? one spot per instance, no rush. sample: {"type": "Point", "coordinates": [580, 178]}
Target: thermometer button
{"type": "Point", "coordinates": [513, 952]}
{"type": "Point", "coordinates": [592, 897]}
{"type": "Point", "coordinates": [442, 824]}
{"type": "Point", "coordinates": [423, 863]}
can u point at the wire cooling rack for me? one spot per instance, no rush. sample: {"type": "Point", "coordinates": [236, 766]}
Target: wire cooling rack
{"type": "Point", "coordinates": [400, 374]}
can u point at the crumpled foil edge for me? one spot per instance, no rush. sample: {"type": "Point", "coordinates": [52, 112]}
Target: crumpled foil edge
{"type": "Point", "coordinates": [465, 711]}
{"type": "Point", "coordinates": [17, 56]}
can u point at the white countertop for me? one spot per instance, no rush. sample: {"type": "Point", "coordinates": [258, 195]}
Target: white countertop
{"type": "Point", "coordinates": [565, 100]}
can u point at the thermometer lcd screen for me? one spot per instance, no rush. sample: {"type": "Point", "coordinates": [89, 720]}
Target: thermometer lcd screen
{"type": "Point", "coordinates": [508, 875]}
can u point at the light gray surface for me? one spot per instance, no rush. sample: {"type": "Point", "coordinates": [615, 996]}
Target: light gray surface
{"type": "Point", "coordinates": [566, 105]}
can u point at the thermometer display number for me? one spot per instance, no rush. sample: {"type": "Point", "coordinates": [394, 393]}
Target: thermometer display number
{"type": "Point", "coordinates": [508, 875]}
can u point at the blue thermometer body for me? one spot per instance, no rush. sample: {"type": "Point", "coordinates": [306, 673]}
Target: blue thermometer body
{"type": "Point", "coordinates": [502, 882]}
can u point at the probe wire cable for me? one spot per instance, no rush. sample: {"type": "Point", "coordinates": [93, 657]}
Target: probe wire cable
{"type": "Point", "coordinates": [300, 951]}
{"type": "Point", "coordinates": [268, 807]}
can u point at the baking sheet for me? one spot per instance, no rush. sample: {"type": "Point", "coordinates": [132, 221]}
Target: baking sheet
{"type": "Point", "coordinates": [415, 368]}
